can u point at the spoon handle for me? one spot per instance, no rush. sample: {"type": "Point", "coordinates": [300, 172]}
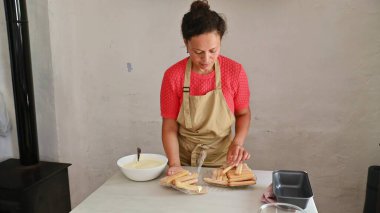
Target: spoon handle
{"type": "Point", "coordinates": [138, 153]}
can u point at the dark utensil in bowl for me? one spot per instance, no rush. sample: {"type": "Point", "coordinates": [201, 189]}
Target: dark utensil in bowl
{"type": "Point", "coordinates": [138, 153]}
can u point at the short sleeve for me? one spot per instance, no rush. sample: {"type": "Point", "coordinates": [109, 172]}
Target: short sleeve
{"type": "Point", "coordinates": [169, 100]}
{"type": "Point", "coordinates": [242, 95]}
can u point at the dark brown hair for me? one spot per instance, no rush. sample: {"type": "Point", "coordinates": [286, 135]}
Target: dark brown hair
{"type": "Point", "coordinates": [200, 19]}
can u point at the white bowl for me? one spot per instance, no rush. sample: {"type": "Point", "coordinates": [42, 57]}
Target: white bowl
{"type": "Point", "coordinates": [142, 174]}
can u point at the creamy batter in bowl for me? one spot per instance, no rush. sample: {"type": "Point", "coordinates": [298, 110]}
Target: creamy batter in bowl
{"type": "Point", "coordinates": [149, 167]}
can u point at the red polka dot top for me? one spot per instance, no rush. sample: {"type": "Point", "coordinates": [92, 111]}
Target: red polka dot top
{"type": "Point", "coordinates": [234, 86]}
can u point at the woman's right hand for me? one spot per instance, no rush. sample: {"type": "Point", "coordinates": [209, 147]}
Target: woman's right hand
{"type": "Point", "coordinates": [173, 170]}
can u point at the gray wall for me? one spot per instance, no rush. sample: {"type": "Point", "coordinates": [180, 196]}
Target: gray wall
{"type": "Point", "coordinates": [313, 67]}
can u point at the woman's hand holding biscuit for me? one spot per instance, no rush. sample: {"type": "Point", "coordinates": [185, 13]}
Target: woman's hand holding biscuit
{"type": "Point", "coordinates": [237, 154]}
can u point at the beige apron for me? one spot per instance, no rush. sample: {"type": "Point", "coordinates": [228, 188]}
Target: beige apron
{"type": "Point", "coordinates": [204, 124]}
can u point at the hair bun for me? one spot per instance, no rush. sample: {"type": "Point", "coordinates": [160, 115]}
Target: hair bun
{"type": "Point", "coordinates": [199, 5]}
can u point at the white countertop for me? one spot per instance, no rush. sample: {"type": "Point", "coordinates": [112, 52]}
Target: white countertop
{"type": "Point", "coordinates": [119, 194]}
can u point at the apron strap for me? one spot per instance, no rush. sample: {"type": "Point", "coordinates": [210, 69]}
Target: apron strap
{"type": "Point", "coordinates": [186, 95]}
{"type": "Point", "coordinates": [218, 81]}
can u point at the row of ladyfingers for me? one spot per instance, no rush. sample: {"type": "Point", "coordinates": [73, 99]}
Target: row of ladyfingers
{"type": "Point", "coordinates": [240, 175]}
{"type": "Point", "coordinates": [184, 180]}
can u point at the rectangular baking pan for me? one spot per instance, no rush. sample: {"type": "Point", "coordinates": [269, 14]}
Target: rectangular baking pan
{"type": "Point", "coordinates": [292, 187]}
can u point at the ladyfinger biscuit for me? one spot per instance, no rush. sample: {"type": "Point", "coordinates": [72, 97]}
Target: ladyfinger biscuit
{"type": "Point", "coordinates": [225, 177]}
{"type": "Point", "coordinates": [239, 169]}
{"type": "Point", "coordinates": [242, 183]}
{"type": "Point", "coordinates": [191, 181]}
{"type": "Point", "coordinates": [219, 174]}
{"type": "Point", "coordinates": [215, 173]}
{"type": "Point", "coordinates": [227, 169]}
{"type": "Point", "coordinates": [177, 175]}
{"type": "Point", "coordinates": [243, 178]}
{"type": "Point", "coordinates": [189, 187]}
{"type": "Point", "coordinates": [246, 167]}
{"type": "Point", "coordinates": [233, 175]}
{"type": "Point", "coordinates": [213, 181]}
{"type": "Point", "coordinates": [187, 177]}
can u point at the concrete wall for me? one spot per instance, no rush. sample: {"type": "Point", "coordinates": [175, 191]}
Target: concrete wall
{"type": "Point", "coordinates": [313, 67]}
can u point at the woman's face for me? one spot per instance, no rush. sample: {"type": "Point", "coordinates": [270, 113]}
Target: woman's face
{"type": "Point", "coordinates": [204, 50]}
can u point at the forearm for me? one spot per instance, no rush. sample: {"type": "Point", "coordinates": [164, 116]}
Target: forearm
{"type": "Point", "coordinates": [243, 120]}
{"type": "Point", "coordinates": [236, 152]}
{"type": "Point", "coordinates": [170, 141]}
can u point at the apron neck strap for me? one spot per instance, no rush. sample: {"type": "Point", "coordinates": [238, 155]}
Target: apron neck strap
{"type": "Point", "coordinates": [218, 81]}
{"type": "Point", "coordinates": [186, 96]}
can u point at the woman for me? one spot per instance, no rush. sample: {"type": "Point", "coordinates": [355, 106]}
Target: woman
{"type": "Point", "coordinates": [202, 96]}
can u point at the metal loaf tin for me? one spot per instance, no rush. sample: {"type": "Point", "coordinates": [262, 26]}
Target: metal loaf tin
{"type": "Point", "coordinates": [292, 187]}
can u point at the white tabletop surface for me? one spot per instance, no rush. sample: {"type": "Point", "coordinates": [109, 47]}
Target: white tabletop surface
{"type": "Point", "coordinates": [119, 194]}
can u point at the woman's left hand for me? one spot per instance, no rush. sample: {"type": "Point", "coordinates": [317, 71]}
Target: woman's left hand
{"type": "Point", "coordinates": [237, 154]}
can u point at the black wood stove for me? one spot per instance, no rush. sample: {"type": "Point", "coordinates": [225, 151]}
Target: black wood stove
{"type": "Point", "coordinates": [43, 187]}
{"type": "Point", "coordinates": [28, 184]}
